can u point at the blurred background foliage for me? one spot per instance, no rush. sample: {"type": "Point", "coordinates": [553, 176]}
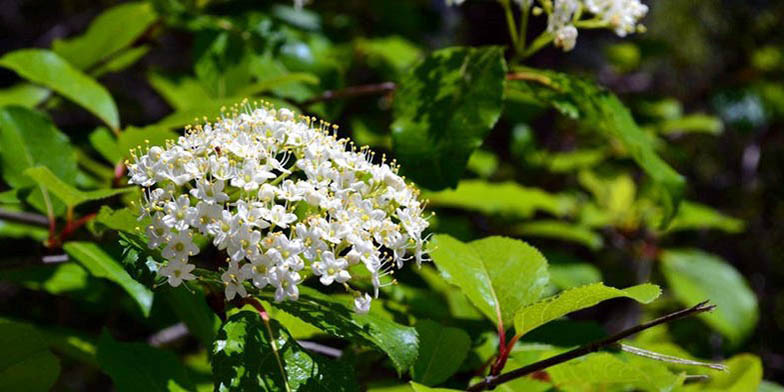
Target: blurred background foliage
{"type": "Point", "coordinates": [704, 83]}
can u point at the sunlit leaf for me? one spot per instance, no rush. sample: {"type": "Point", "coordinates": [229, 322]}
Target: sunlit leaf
{"type": "Point", "coordinates": [604, 371]}
{"type": "Point", "coordinates": [67, 194]}
{"type": "Point", "coordinates": [111, 31]}
{"type": "Point", "coordinates": [695, 276]}
{"type": "Point", "coordinates": [532, 316]}
{"type": "Point", "coordinates": [50, 70]}
{"type": "Point", "coordinates": [248, 355]}
{"type": "Point", "coordinates": [441, 351]}
{"type": "Point", "coordinates": [506, 198]}
{"type": "Point", "coordinates": [499, 275]}
{"type": "Point", "coordinates": [443, 109]}
{"type": "Point", "coordinates": [560, 230]}
{"type": "Point", "coordinates": [337, 318]}
{"type": "Point", "coordinates": [23, 94]}
{"type": "Point", "coordinates": [102, 265]}
{"type": "Point", "coordinates": [28, 139]}
{"type": "Point", "coordinates": [601, 109]}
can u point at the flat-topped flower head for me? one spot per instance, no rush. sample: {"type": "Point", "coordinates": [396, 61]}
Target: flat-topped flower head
{"type": "Point", "coordinates": [284, 198]}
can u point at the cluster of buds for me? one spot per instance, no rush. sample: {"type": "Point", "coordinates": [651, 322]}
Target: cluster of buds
{"type": "Point", "coordinates": [284, 198]}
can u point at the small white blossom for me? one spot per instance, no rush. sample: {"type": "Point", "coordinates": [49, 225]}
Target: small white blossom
{"type": "Point", "coordinates": [180, 247]}
{"type": "Point", "coordinates": [362, 304]}
{"type": "Point", "coordinates": [177, 271]}
{"type": "Point", "coordinates": [331, 269]}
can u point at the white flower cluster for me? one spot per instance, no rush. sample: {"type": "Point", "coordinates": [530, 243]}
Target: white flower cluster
{"type": "Point", "coordinates": [284, 198]}
{"type": "Point", "coordinates": [620, 15]}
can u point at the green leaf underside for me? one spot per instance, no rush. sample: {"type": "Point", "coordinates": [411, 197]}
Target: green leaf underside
{"type": "Point", "coordinates": [571, 300]}
{"type": "Point", "coordinates": [506, 198]}
{"type": "Point", "coordinates": [694, 276]}
{"type": "Point", "coordinates": [443, 109]}
{"type": "Point", "coordinates": [110, 32]}
{"type": "Point", "coordinates": [50, 70]}
{"type": "Point", "coordinates": [244, 358]}
{"type": "Point", "coordinates": [28, 139]}
{"type": "Point", "coordinates": [399, 342]}
{"type": "Point", "coordinates": [26, 364]}
{"type": "Point", "coordinates": [499, 275]}
{"type": "Point", "coordinates": [694, 216]}
{"type": "Point", "coordinates": [441, 352]}
{"type": "Point", "coordinates": [605, 371]}
{"type": "Point", "coordinates": [102, 265]}
{"type": "Point", "coordinates": [67, 194]}
{"type": "Point", "coordinates": [137, 367]}
{"type": "Point", "coordinates": [577, 97]}
{"type": "Point", "coordinates": [415, 387]}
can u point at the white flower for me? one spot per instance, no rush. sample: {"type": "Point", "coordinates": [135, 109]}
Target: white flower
{"type": "Point", "coordinates": [177, 213]}
{"type": "Point", "coordinates": [565, 38]}
{"type": "Point", "coordinates": [233, 279]}
{"type": "Point", "coordinates": [177, 271]}
{"type": "Point", "coordinates": [158, 232]}
{"type": "Point", "coordinates": [285, 283]}
{"type": "Point", "coordinates": [251, 176]}
{"type": "Point", "coordinates": [362, 303]}
{"type": "Point", "coordinates": [280, 217]}
{"type": "Point", "coordinates": [331, 269]}
{"type": "Point", "coordinates": [210, 192]}
{"type": "Point", "coordinates": [180, 247]}
{"type": "Point", "coordinates": [621, 15]}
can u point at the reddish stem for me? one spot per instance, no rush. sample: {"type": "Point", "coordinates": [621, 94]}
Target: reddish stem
{"type": "Point", "coordinates": [71, 227]}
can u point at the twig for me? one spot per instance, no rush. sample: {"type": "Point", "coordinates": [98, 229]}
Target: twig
{"type": "Point", "coordinates": [669, 358]}
{"type": "Point", "coordinates": [492, 381]}
{"type": "Point", "coordinates": [24, 217]}
{"type": "Point", "coordinates": [353, 91]}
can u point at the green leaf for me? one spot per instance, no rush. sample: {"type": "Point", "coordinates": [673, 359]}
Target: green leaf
{"type": "Point", "coordinates": [50, 70]}
{"type": "Point", "coordinates": [190, 306]}
{"type": "Point", "coordinates": [443, 109]}
{"type": "Point", "coordinates": [54, 279]}
{"type": "Point", "coordinates": [572, 300]}
{"type": "Point", "coordinates": [337, 318]}
{"type": "Point", "coordinates": [394, 51]}
{"type": "Point", "coordinates": [695, 216]}
{"type": "Point", "coordinates": [441, 352]}
{"type": "Point", "coordinates": [695, 276]}
{"type": "Point", "coordinates": [578, 97]}
{"type": "Point", "coordinates": [28, 139]}
{"type": "Point", "coordinates": [694, 123]}
{"type": "Point", "coordinates": [246, 357]}
{"type": "Point", "coordinates": [605, 371]}
{"type": "Point", "coordinates": [105, 143]}
{"type": "Point", "coordinates": [102, 265]}
{"type": "Point", "coordinates": [745, 374]}
{"type": "Point", "coordinates": [23, 94]}
{"type": "Point", "coordinates": [67, 194]}
{"type": "Point", "coordinates": [139, 367]}
{"type": "Point", "coordinates": [121, 60]}
{"type": "Point", "coordinates": [562, 162]}
{"type": "Point", "coordinates": [560, 230]}
{"type": "Point", "coordinates": [506, 198]}
{"type": "Point", "coordinates": [483, 163]}
{"type": "Point", "coordinates": [499, 275]}
{"type": "Point", "coordinates": [113, 30]}
{"type": "Point", "coordinates": [180, 93]}
{"type": "Point", "coordinates": [124, 220]}
{"type": "Point", "coordinates": [422, 388]}
{"type": "Point", "coordinates": [26, 363]}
